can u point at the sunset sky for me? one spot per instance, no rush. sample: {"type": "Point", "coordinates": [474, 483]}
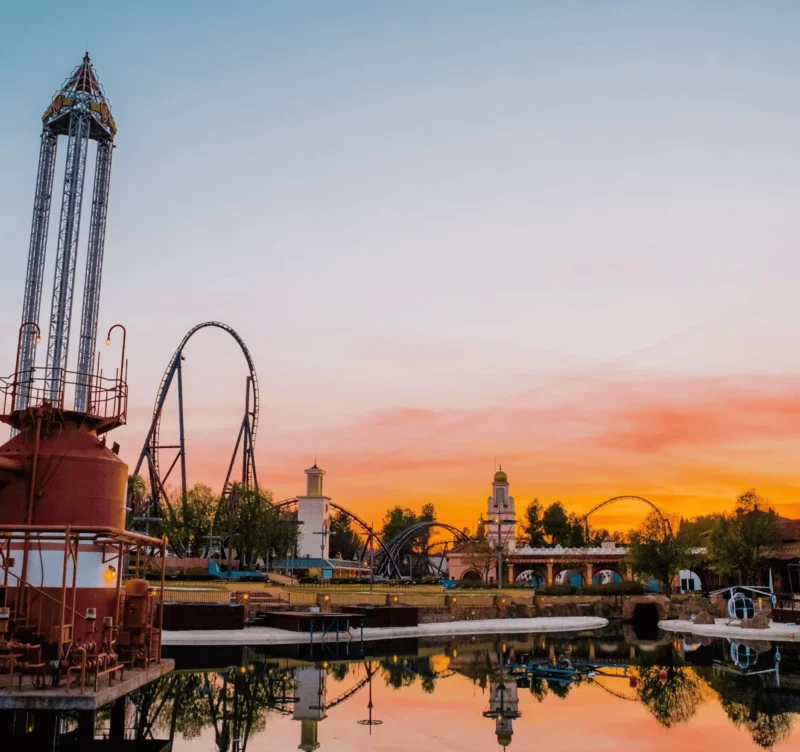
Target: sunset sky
{"type": "Point", "coordinates": [559, 236]}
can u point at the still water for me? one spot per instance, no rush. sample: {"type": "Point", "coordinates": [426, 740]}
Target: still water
{"type": "Point", "coordinates": [607, 690]}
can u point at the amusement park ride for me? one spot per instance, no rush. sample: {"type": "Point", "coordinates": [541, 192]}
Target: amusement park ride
{"type": "Point", "coordinates": [63, 541]}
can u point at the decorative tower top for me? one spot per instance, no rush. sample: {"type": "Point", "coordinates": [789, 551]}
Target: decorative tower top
{"type": "Point", "coordinates": [500, 476]}
{"type": "Point", "coordinates": [314, 481]}
{"type": "Point", "coordinates": [82, 91]}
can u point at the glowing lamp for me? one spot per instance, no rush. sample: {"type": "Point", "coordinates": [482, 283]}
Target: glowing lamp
{"type": "Point", "coordinates": [108, 341]}
{"type": "Point", "coordinates": [38, 340]}
{"type": "Point", "coordinates": [110, 573]}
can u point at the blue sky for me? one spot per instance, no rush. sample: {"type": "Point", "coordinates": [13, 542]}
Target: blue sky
{"type": "Point", "coordinates": [432, 206]}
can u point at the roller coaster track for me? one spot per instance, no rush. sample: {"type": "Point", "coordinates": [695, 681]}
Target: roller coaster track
{"type": "Point", "coordinates": [363, 525]}
{"type": "Point", "coordinates": [152, 447]}
{"type": "Point", "coordinates": [664, 521]}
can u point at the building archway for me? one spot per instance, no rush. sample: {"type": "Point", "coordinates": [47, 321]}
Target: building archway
{"type": "Point", "coordinates": [571, 577]}
{"type": "Point", "coordinates": [472, 576]}
{"type": "Point", "coordinates": [606, 577]}
{"type": "Point", "coordinates": [532, 577]}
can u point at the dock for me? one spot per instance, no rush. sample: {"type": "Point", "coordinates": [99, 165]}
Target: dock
{"type": "Point", "coordinates": [61, 699]}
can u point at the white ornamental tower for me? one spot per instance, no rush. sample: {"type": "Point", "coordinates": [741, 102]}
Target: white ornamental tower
{"type": "Point", "coordinates": [501, 522]}
{"type": "Point", "coordinates": [313, 516]}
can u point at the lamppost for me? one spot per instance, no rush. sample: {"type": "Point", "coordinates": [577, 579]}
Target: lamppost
{"type": "Point", "coordinates": [121, 359]}
{"type": "Point", "coordinates": [19, 348]}
{"type": "Point", "coordinates": [274, 555]}
{"type": "Point", "coordinates": [408, 560]}
{"type": "Point", "coordinates": [499, 522]}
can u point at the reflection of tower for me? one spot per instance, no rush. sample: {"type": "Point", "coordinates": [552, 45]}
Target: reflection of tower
{"type": "Point", "coordinates": [310, 707]}
{"type": "Point", "coordinates": [501, 507]}
{"type": "Point", "coordinates": [503, 704]}
{"type": "Point", "coordinates": [370, 705]}
{"type": "Point", "coordinates": [312, 514]}
{"type": "Point", "coordinates": [80, 112]}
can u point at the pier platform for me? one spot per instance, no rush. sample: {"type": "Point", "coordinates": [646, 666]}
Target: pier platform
{"type": "Point", "coordinates": [62, 699]}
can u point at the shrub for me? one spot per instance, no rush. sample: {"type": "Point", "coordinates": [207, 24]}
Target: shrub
{"type": "Point", "coordinates": [556, 590]}
{"type": "Point", "coordinates": [614, 588]}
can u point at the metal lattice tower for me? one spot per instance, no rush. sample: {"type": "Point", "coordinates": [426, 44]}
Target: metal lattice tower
{"type": "Point", "coordinates": [79, 111]}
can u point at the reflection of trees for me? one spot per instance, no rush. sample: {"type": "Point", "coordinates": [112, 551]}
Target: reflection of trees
{"type": "Point", "coordinates": [749, 703]}
{"type": "Point", "coordinates": [539, 689]}
{"type": "Point", "coordinates": [560, 688]}
{"type": "Point", "coordinates": [339, 671]}
{"type": "Point", "coordinates": [675, 700]}
{"type": "Point", "coordinates": [234, 703]}
{"type": "Point", "coordinates": [403, 672]}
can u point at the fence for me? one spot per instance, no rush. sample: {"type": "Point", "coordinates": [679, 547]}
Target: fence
{"type": "Point", "coordinates": [196, 595]}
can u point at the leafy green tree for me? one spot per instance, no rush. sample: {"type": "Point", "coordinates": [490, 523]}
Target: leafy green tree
{"type": "Point", "coordinates": [695, 531]}
{"type": "Point", "coordinates": [556, 524]}
{"type": "Point", "coordinates": [577, 533]}
{"type": "Point", "coordinates": [190, 519]}
{"type": "Point", "coordinates": [533, 524]}
{"type": "Point", "coordinates": [654, 551]}
{"type": "Point", "coordinates": [398, 519]}
{"type": "Point", "coordinates": [344, 541]}
{"type": "Point", "coordinates": [739, 542]}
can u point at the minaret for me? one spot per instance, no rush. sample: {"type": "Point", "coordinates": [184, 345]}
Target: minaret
{"type": "Point", "coordinates": [501, 507]}
{"type": "Point", "coordinates": [313, 516]}
{"type": "Point", "coordinates": [80, 112]}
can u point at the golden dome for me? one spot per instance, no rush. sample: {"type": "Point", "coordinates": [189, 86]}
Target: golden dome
{"type": "Point", "coordinates": [500, 476]}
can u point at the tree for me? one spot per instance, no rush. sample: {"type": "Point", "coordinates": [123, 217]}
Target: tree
{"type": "Point", "coordinates": [655, 552]}
{"type": "Point", "coordinates": [344, 541]}
{"type": "Point", "coordinates": [191, 519]}
{"type": "Point", "coordinates": [481, 556]}
{"type": "Point", "coordinates": [576, 536]}
{"type": "Point", "coordinates": [739, 542]}
{"type": "Point", "coordinates": [257, 527]}
{"type": "Point", "coordinates": [398, 519]}
{"type": "Point", "coordinates": [533, 524]}
{"type": "Point", "coordinates": [556, 524]}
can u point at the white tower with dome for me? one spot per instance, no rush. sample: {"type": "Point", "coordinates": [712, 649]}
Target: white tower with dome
{"type": "Point", "coordinates": [501, 522]}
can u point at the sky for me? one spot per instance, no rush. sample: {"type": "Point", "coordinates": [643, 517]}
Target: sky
{"type": "Point", "coordinates": [557, 236]}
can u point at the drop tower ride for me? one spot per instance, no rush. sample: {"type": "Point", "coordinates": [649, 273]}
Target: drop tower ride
{"type": "Point", "coordinates": [63, 537]}
{"type": "Point", "coordinates": [80, 112]}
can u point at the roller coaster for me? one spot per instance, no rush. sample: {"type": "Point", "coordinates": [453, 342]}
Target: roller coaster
{"type": "Point", "coordinates": [153, 447]}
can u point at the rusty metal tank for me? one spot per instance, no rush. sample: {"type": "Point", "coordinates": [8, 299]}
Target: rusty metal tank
{"type": "Point", "coordinates": [79, 481]}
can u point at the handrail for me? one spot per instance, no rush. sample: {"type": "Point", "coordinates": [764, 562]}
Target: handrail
{"type": "Point", "coordinates": [46, 595]}
{"type": "Point", "coordinates": [8, 531]}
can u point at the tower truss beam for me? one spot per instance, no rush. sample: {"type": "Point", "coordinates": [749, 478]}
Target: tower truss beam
{"type": "Point", "coordinates": [36, 256]}
{"type": "Point", "coordinates": [94, 270]}
{"type": "Point", "coordinates": [69, 228]}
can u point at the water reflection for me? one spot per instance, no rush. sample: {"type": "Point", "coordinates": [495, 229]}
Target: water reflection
{"type": "Point", "coordinates": [231, 697]}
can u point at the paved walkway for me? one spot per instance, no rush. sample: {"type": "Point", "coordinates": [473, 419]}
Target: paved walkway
{"type": "Point", "coordinates": [775, 633]}
{"type": "Point", "coordinates": [272, 636]}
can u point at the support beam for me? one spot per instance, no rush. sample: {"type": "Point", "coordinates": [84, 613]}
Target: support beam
{"type": "Point", "coordinates": [36, 256]}
{"type": "Point", "coordinates": [94, 271]}
{"type": "Point", "coordinates": [63, 286]}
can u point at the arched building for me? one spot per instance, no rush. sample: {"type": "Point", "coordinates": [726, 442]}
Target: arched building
{"type": "Point", "coordinates": [537, 566]}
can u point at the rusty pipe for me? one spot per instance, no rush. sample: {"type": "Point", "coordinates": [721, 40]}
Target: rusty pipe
{"type": "Point", "coordinates": [13, 466]}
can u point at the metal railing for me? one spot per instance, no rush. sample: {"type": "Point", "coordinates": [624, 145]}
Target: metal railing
{"type": "Point", "coordinates": [107, 397]}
